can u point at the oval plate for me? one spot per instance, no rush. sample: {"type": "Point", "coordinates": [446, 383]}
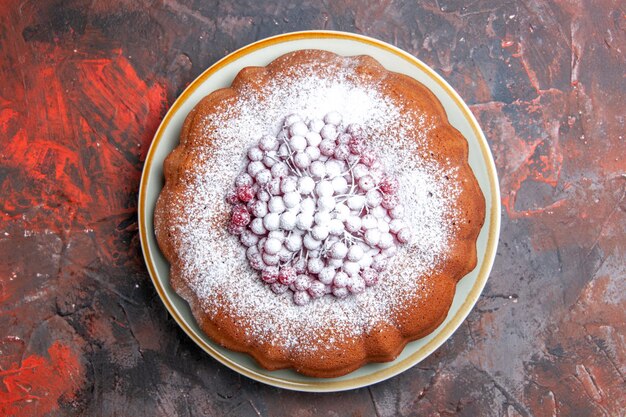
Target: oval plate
{"type": "Point", "coordinates": [262, 53]}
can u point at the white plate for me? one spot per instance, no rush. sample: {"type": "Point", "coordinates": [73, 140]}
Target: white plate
{"type": "Point", "coordinates": [262, 53]}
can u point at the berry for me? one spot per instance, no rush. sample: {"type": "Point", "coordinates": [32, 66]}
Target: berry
{"type": "Point", "coordinates": [257, 226]}
{"type": "Point", "coordinates": [307, 206]}
{"type": "Point", "coordinates": [356, 202]}
{"type": "Point", "coordinates": [304, 221]}
{"type": "Point", "coordinates": [254, 167]}
{"type": "Point", "coordinates": [340, 292]}
{"type": "Point", "coordinates": [336, 227]}
{"type": "Point", "coordinates": [280, 170]}
{"type": "Point", "coordinates": [317, 289]}
{"type": "Point", "coordinates": [374, 198]}
{"type": "Point", "coordinates": [357, 285]}
{"type": "Point", "coordinates": [272, 246]}
{"type": "Point", "coordinates": [276, 205]}
{"type": "Point", "coordinates": [386, 241]}
{"type": "Point", "coordinates": [297, 143]}
{"type": "Point", "coordinates": [351, 268]}
{"type": "Point", "coordinates": [234, 229]}
{"type": "Point", "coordinates": [342, 212]}
{"type": "Point", "coordinates": [327, 147]}
{"type": "Point", "coordinates": [326, 275]}
{"type": "Point", "coordinates": [372, 237]}
{"type": "Point", "coordinates": [324, 189]}
{"type": "Point", "coordinates": [306, 185]}
{"type": "Point", "coordinates": [263, 196]}
{"type": "Point", "coordinates": [353, 224]}
{"type": "Point", "coordinates": [313, 152]}
{"type": "Point", "coordinates": [279, 288]}
{"type": "Point", "coordinates": [329, 132]}
{"type": "Point", "coordinates": [389, 185]}
{"type": "Point", "coordinates": [300, 266]}
{"type": "Point", "coordinates": [248, 238]}
{"type": "Point", "coordinates": [243, 179]}
{"type": "Point", "coordinates": [273, 187]}
{"type": "Point", "coordinates": [313, 139]}
{"type": "Point", "coordinates": [340, 185]}
{"type": "Point", "coordinates": [270, 274]}
{"type": "Point", "coordinates": [333, 168]}
{"type": "Point", "coordinates": [396, 225]}
{"type": "Point", "coordinates": [404, 235]}
{"type": "Point", "coordinates": [339, 250]}
{"type": "Point", "coordinates": [231, 197]}
{"type": "Point", "coordinates": [319, 232]}
{"type": "Point", "coordinates": [298, 129]}
{"type": "Point", "coordinates": [379, 264]}
{"type": "Point", "coordinates": [240, 216]}
{"type": "Point", "coordinates": [271, 221]}
{"type": "Point", "coordinates": [293, 242]}
{"type": "Point", "coordinates": [383, 226]}
{"type": "Point", "coordinates": [341, 279]}
{"type": "Point", "coordinates": [270, 159]}
{"type": "Point", "coordinates": [288, 220]}
{"type": "Point", "coordinates": [302, 282]}
{"type": "Point", "coordinates": [315, 265]}
{"type": "Point", "coordinates": [301, 298]}
{"type": "Point", "coordinates": [317, 169]}
{"type": "Point", "coordinates": [367, 157]}
{"type": "Point", "coordinates": [268, 143]}
{"type": "Point", "coordinates": [291, 199]}
{"type": "Point", "coordinates": [370, 277]}
{"type": "Point", "coordinates": [355, 253]}
{"type": "Point", "coordinates": [256, 262]}
{"type": "Point", "coordinates": [269, 259]}
{"type": "Point", "coordinates": [366, 183]}
{"type": "Point", "coordinates": [292, 118]}
{"type": "Point", "coordinates": [302, 160]}
{"type": "Point", "coordinates": [359, 171]}
{"type": "Point", "coordinates": [263, 176]}
{"type": "Point", "coordinates": [287, 275]}
{"type": "Point", "coordinates": [356, 145]}
{"type": "Point", "coordinates": [378, 212]}
{"type": "Point", "coordinates": [322, 218]}
{"type": "Point", "coordinates": [397, 212]}
{"type": "Point", "coordinates": [333, 118]}
{"type": "Point", "coordinates": [245, 193]}
{"type": "Point", "coordinates": [315, 125]}
{"type": "Point", "coordinates": [326, 203]}
{"type": "Point", "coordinates": [369, 222]}
{"type": "Point", "coordinates": [355, 129]}
{"type": "Point", "coordinates": [310, 242]}
{"type": "Point", "coordinates": [255, 154]}
{"type": "Point", "coordinates": [390, 201]}
{"type": "Point", "coordinates": [258, 208]}
{"type": "Point", "coordinates": [344, 139]}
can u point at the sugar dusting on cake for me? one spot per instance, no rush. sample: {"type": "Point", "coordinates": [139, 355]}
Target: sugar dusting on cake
{"type": "Point", "coordinates": [215, 261]}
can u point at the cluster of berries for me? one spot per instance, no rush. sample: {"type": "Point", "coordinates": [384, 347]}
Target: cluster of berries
{"type": "Point", "coordinates": [316, 211]}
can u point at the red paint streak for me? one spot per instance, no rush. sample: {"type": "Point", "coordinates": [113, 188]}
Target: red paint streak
{"type": "Point", "coordinates": [74, 130]}
{"type": "Point", "coordinates": [37, 385]}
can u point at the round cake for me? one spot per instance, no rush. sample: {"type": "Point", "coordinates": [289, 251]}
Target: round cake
{"type": "Point", "coordinates": [319, 213]}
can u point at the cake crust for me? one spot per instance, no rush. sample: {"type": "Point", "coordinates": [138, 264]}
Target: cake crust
{"type": "Point", "coordinates": [333, 356]}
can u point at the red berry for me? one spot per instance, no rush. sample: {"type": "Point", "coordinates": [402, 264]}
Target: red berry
{"type": "Point", "coordinates": [317, 289]}
{"type": "Point", "coordinates": [231, 198]}
{"type": "Point", "coordinates": [245, 193]}
{"type": "Point", "coordinates": [390, 201]}
{"type": "Point", "coordinates": [300, 266]}
{"type": "Point", "coordinates": [389, 185]}
{"type": "Point", "coordinates": [270, 274]}
{"type": "Point", "coordinates": [367, 157]}
{"type": "Point", "coordinates": [240, 216]}
{"type": "Point", "coordinates": [256, 262]}
{"type": "Point", "coordinates": [234, 229]}
{"type": "Point", "coordinates": [287, 275]}
{"type": "Point", "coordinates": [356, 145]}
{"type": "Point", "coordinates": [279, 288]}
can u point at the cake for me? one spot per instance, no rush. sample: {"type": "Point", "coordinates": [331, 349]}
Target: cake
{"type": "Point", "coordinates": [318, 213]}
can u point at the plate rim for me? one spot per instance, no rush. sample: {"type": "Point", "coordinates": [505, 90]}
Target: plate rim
{"type": "Point", "coordinates": [468, 303]}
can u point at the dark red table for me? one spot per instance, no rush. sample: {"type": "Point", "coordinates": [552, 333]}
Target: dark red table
{"type": "Point", "coordinates": [83, 86]}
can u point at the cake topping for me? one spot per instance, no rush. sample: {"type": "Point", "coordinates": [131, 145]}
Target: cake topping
{"type": "Point", "coordinates": [328, 217]}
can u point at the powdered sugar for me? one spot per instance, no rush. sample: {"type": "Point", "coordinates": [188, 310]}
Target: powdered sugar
{"type": "Point", "coordinates": [215, 263]}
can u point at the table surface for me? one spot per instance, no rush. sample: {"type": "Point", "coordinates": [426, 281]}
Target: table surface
{"type": "Point", "coordinates": [84, 87]}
